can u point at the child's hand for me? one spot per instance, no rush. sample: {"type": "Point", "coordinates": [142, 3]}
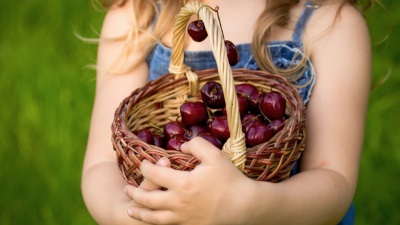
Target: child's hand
{"type": "Point", "coordinates": [215, 192]}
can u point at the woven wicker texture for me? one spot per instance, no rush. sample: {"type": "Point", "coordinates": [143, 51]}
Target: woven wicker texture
{"type": "Point", "coordinates": [158, 103]}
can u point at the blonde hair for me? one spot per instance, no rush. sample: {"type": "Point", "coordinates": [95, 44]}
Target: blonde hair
{"type": "Point", "coordinates": [276, 14]}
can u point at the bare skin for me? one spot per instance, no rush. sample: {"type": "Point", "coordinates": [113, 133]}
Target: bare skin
{"type": "Point", "coordinates": [320, 194]}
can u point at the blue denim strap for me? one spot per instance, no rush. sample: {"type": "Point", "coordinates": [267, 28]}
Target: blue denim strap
{"type": "Point", "coordinates": [302, 22]}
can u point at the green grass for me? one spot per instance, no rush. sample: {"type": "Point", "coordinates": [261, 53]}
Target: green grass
{"type": "Point", "coordinates": [378, 198]}
{"type": "Point", "coordinates": [46, 98]}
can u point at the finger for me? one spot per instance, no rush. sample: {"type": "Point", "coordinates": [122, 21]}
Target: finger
{"type": "Point", "coordinates": [164, 161]}
{"type": "Point", "coordinates": [202, 150]}
{"type": "Point", "coordinates": [161, 176]}
{"type": "Point", "coordinates": [148, 185]}
{"type": "Point", "coordinates": [152, 216]}
{"type": "Point", "coordinates": [155, 199]}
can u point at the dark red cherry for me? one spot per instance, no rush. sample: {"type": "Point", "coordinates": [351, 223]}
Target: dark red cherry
{"type": "Point", "coordinates": [232, 52]}
{"type": "Point", "coordinates": [276, 125]}
{"type": "Point", "coordinates": [159, 141]}
{"type": "Point", "coordinates": [212, 139]}
{"type": "Point", "coordinates": [272, 105]}
{"type": "Point", "coordinates": [175, 143]}
{"type": "Point", "coordinates": [172, 129]}
{"type": "Point", "coordinates": [194, 131]}
{"type": "Point", "coordinates": [247, 127]}
{"type": "Point", "coordinates": [243, 106]}
{"type": "Point", "coordinates": [250, 92]}
{"type": "Point", "coordinates": [145, 135]}
{"type": "Point", "coordinates": [212, 95]}
{"type": "Point", "coordinates": [197, 31]}
{"type": "Point", "coordinates": [254, 103]}
{"type": "Point", "coordinates": [249, 119]}
{"type": "Point", "coordinates": [257, 133]}
{"type": "Point", "coordinates": [218, 126]}
{"type": "Point", "coordinates": [193, 113]}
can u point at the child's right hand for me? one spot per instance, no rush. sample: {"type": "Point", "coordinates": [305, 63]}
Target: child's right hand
{"type": "Point", "coordinates": [193, 197]}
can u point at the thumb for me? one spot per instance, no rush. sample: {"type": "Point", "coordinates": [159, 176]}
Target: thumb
{"type": "Point", "coordinates": [148, 185]}
{"type": "Point", "coordinates": [202, 150]}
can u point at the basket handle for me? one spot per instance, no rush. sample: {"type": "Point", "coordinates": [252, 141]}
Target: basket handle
{"type": "Point", "coordinates": [235, 147]}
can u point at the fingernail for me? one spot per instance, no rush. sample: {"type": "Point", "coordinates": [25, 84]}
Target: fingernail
{"type": "Point", "coordinates": [161, 162]}
{"type": "Point", "coordinates": [130, 212]}
{"type": "Point", "coordinates": [125, 190]}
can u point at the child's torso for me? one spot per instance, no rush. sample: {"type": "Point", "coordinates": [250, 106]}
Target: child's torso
{"type": "Point", "coordinates": [284, 52]}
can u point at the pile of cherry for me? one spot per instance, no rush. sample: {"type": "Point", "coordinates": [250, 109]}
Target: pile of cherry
{"type": "Point", "coordinates": [262, 116]}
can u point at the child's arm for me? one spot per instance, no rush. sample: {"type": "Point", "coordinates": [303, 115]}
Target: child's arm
{"type": "Point", "coordinates": [102, 183]}
{"type": "Point", "coordinates": [324, 189]}
{"type": "Point", "coordinates": [215, 193]}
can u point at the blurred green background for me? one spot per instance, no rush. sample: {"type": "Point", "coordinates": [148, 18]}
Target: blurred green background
{"type": "Point", "coordinates": [46, 95]}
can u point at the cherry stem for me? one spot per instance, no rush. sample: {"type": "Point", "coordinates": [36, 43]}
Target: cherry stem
{"type": "Point", "coordinates": [159, 129]}
{"type": "Point", "coordinates": [179, 122]}
{"type": "Point", "coordinates": [209, 113]}
{"type": "Point", "coordinates": [155, 126]}
{"type": "Point", "coordinates": [266, 118]}
{"type": "Point", "coordinates": [216, 11]}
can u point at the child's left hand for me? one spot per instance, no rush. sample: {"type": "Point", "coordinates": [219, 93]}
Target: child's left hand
{"type": "Point", "coordinates": [215, 192]}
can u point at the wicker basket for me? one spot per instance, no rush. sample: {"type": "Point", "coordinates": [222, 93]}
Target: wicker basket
{"type": "Point", "coordinates": [158, 102]}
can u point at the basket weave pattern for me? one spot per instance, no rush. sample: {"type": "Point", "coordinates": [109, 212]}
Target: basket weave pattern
{"type": "Point", "coordinates": [158, 102]}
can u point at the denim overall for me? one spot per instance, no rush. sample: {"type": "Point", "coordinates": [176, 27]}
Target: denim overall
{"type": "Point", "coordinates": [285, 54]}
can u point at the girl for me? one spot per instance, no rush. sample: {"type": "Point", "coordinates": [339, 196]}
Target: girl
{"type": "Point", "coordinates": [135, 47]}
